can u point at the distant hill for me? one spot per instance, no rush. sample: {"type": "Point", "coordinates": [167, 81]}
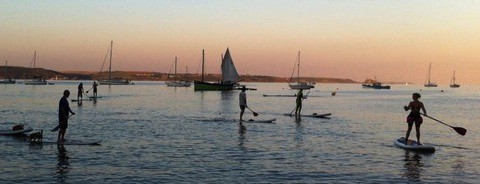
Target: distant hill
{"type": "Point", "coordinates": [16, 72]}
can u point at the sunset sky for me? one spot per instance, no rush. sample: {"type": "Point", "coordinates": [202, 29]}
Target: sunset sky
{"type": "Point", "coordinates": [392, 40]}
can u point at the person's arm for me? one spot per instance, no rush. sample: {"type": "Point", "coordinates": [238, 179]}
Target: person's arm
{"type": "Point", "coordinates": [423, 109]}
{"type": "Point", "coordinates": [408, 107]}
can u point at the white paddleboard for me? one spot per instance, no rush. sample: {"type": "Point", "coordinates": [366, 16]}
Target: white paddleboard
{"type": "Point", "coordinates": [314, 115]}
{"type": "Point", "coordinates": [413, 145]}
{"type": "Point", "coordinates": [69, 142]}
{"type": "Point", "coordinates": [11, 132]}
{"type": "Point", "coordinates": [259, 121]}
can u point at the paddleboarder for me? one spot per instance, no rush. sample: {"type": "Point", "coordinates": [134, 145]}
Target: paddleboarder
{"type": "Point", "coordinates": [242, 102]}
{"type": "Point", "coordinates": [414, 116]}
{"type": "Point", "coordinates": [63, 112]}
{"type": "Point", "coordinates": [94, 89]}
{"type": "Point", "coordinates": [298, 108]}
{"type": "Point", "coordinates": [80, 92]}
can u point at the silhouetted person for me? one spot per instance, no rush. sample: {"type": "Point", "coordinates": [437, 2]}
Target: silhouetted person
{"type": "Point", "coordinates": [298, 108]}
{"type": "Point", "coordinates": [94, 89]}
{"type": "Point", "coordinates": [80, 92]}
{"type": "Point", "coordinates": [242, 102]}
{"type": "Point", "coordinates": [414, 116]}
{"type": "Point", "coordinates": [63, 114]}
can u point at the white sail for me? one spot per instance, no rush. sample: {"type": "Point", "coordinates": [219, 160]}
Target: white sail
{"type": "Point", "coordinates": [229, 72]}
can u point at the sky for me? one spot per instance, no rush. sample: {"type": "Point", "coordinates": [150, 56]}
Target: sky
{"type": "Point", "coordinates": [392, 40]}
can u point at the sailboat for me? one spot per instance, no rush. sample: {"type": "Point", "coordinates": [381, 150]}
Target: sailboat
{"type": "Point", "coordinates": [298, 84]}
{"type": "Point", "coordinates": [452, 82]}
{"type": "Point", "coordinates": [229, 76]}
{"type": "Point", "coordinates": [177, 83]}
{"type": "Point", "coordinates": [429, 83]}
{"type": "Point", "coordinates": [7, 80]}
{"type": "Point", "coordinates": [111, 81]}
{"type": "Point", "coordinates": [36, 80]}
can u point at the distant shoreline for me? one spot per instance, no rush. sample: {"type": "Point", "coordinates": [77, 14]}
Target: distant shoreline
{"type": "Point", "coordinates": [16, 72]}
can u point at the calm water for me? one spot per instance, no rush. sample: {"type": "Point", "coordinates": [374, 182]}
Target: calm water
{"type": "Point", "coordinates": [151, 133]}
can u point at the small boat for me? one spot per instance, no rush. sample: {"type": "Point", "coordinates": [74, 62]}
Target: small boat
{"type": "Point", "coordinates": [229, 76]}
{"type": "Point", "coordinates": [114, 81]}
{"type": "Point", "coordinates": [452, 82]}
{"type": "Point", "coordinates": [298, 84]}
{"type": "Point", "coordinates": [428, 82]}
{"type": "Point", "coordinates": [374, 84]}
{"type": "Point", "coordinates": [177, 83]}
{"type": "Point", "coordinates": [36, 80]}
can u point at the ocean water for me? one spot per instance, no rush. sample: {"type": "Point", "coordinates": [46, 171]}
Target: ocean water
{"type": "Point", "coordinates": [151, 133]}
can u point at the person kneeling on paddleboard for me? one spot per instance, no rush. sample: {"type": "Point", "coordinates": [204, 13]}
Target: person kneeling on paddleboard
{"type": "Point", "coordinates": [414, 116]}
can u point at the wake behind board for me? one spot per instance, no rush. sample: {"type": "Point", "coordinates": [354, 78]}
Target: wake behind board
{"type": "Point", "coordinates": [69, 142]}
{"type": "Point", "coordinates": [413, 145]}
{"type": "Point", "coordinates": [16, 132]}
{"type": "Point", "coordinates": [259, 121]}
{"type": "Point", "coordinates": [314, 115]}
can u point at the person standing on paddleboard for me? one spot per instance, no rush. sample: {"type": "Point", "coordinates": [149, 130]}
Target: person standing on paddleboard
{"type": "Point", "coordinates": [94, 89]}
{"type": "Point", "coordinates": [298, 108]}
{"type": "Point", "coordinates": [414, 116]}
{"type": "Point", "coordinates": [80, 92]}
{"type": "Point", "coordinates": [63, 112]}
{"type": "Point", "coordinates": [242, 97]}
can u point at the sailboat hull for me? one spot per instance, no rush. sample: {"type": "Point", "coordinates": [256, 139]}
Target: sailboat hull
{"type": "Point", "coordinates": [7, 82]}
{"type": "Point", "coordinates": [205, 86]}
{"type": "Point", "coordinates": [301, 85]}
{"type": "Point", "coordinates": [430, 85]}
{"type": "Point", "coordinates": [178, 83]}
{"type": "Point", "coordinates": [115, 82]}
{"type": "Point", "coordinates": [454, 85]}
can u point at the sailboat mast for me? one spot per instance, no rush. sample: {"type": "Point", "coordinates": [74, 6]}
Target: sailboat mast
{"type": "Point", "coordinates": [175, 68]}
{"type": "Point", "coordinates": [110, 66]}
{"type": "Point", "coordinates": [34, 58]}
{"type": "Point", "coordinates": [298, 67]}
{"type": "Point", "coordinates": [429, 68]}
{"type": "Point", "coordinates": [203, 64]}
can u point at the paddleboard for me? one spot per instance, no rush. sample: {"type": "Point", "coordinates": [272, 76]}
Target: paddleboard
{"type": "Point", "coordinates": [413, 145]}
{"type": "Point", "coordinates": [75, 100]}
{"type": "Point", "coordinates": [259, 121]}
{"type": "Point", "coordinates": [11, 132]}
{"type": "Point", "coordinates": [314, 115]}
{"type": "Point", "coordinates": [69, 142]}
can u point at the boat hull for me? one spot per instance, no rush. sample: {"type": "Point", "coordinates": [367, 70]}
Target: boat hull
{"type": "Point", "coordinates": [454, 85]}
{"type": "Point", "coordinates": [178, 84]}
{"type": "Point", "coordinates": [7, 82]}
{"type": "Point", "coordinates": [374, 86]}
{"type": "Point", "coordinates": [35, 82]}
{"type": "Point", "coordinates": [430, 85]}
{"type": "Point", "coordinates": [115, 82]}
{"type": "Point", "coordinates": [301, 85]}
{"type": "Point", "coordinates": [205, 86]}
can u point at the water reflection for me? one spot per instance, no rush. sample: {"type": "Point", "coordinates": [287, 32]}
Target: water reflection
{"type": "Point", "coordinates": [241, 135]}
{"type": "Point", "coordinates": [63, 164]}
{"type": "Point", "coordinates": [413, 165]}
{"type": "Point", "coordinates": [298, 133]}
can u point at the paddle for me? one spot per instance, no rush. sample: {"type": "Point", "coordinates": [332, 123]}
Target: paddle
{"type": "Point", "coordinates": [254, 113]}
{"type": "Point", "coordinates": [302, 100]}
{"type": "Point", "coordinates": [87, 96]}
{"type": "Point", "coordinates": [89, 89]}
{"type": "Point", "coordinates": [459, 130]}
{"type": "Point", "coordinates": [58, 126]}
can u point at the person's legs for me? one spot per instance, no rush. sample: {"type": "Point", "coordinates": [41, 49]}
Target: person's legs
{"type": "Point", "coordinates": [417, 129]}
{"type": "Point", "coordinates": [408, 132]}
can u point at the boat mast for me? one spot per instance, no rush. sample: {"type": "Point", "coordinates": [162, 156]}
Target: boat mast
{"type": "Point", "coordinates": [110, 66]}
{"type": "Point", "coordinates": [429, 68]}
{"type": "Point", "coordinates": [175, 68]}
{"type": "Point", "coordinates": [453, 78]}
{"type": "Point", "coordinates": [298, 68]}
{"type": "Point", "coordinates": [203, 63]}
{"type": "Point", "coordinates": [34, 58]}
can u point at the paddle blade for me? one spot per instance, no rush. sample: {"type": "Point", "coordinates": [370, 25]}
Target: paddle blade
{"type": "Point", "coordinates": [460, 130]}
{"type": "Point", "coordinates": [55, 129]}
{"type": "Point", "coordinates": [255, 114]}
